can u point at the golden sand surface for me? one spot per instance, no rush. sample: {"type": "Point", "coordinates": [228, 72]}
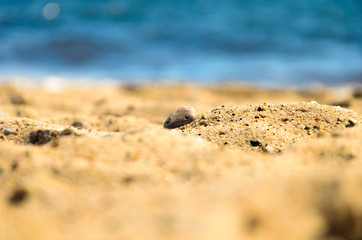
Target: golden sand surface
{"type": "Point", "coordinates": [95, 163]}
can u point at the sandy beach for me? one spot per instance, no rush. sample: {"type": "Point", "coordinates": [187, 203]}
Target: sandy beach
{"type": "Point", "coordinates": [90, 162]}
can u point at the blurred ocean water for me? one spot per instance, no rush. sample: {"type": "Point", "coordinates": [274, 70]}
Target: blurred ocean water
{"type": "Point", "coordinates": [261, 41]}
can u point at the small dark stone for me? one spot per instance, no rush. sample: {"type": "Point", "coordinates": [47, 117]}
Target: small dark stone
{"type": "Point", "coordinates": [78, 124]}
{"type": "Point", "coordinates": [351, 122]}
{"type": "Point", "coordinates": [255, 143]}
{"type": "Point", "coordinates": [8, 131]}
{"type": "Point", "coordinates": [18, 196]}
{"type": "Point", "coordinates": [260, 109]}
{"type": "Point", "coordinates": [66, 132]}
{"type": "Point", "coordinates": [41, 137]}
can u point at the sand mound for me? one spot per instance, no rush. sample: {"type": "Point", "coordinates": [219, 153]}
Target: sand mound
{"type": "Point", "coordinates": [269, 127]}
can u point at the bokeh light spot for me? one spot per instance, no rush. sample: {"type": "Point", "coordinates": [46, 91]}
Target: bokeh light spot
{"type": "Point", "coordinates": [51, 11]}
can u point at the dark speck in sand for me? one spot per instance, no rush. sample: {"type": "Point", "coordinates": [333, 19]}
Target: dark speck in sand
{"type": "Point", "coordinates": [128, 180]}
{"type": "Point", "coordinates": [253, 224]}
{"type": "Point", "coordinates": [66, 132]}
{"type": "Point", "coordinates": [18, 196]}
{"type": "Point", "coordinates": [349, 157]}
{"type": "Point", "coordinates": [14, 165]}
{"type": "Point", "coordinates": [335, 135]}
{"type": "Point", "coordinates": [255, 143]}
{"type": "Point", "coordinates": [117, 114]}
{"type": "Point", "coordinates": [351, 122]}
{"type": "Point", "coordinates": [78, 124]}
{"type": "Point", "coordinates": [41, 137]}
{"type": "Point", "coordinates": [56, 171]}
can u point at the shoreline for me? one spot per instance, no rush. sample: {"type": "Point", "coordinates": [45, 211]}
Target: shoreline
{"type": "Point", "coordinates": [39, 81]}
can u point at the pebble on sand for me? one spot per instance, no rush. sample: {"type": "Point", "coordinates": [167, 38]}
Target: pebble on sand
{"type": "Point", "coordinates": [351, 122]}
{"type": "Point", "coordinates": [8, 131]}
{"type": "Point", "coordinates": [180, 117]}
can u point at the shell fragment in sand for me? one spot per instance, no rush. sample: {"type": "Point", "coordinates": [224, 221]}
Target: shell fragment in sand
{"type": "Point", "coordinates": [180, 117]}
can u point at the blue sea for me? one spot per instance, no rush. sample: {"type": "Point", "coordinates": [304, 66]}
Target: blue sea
{"type": "Point", "coordinates": [262, 42]}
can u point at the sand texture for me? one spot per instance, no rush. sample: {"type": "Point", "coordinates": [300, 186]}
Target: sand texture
{"type": "Point", "coordinates": [96, 163]}
{"type": "Point", "coordinates": [270, 125]}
